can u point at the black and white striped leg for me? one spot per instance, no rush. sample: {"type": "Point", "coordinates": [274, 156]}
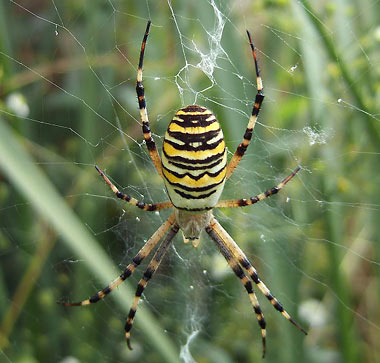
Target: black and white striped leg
{"type": "Point", "coordinates": [241, 149]}
{"type": "Point", "coordinates": [126, 197]}
{"type": "Point", "coordinates": [233, 203]}
{"type": "Point", "coordinates": [244, 280]}
{"type": "Point", "coordinates": [246, 264]}
{"type": "Point", "coordinates": [152, 267]}
{"type": "Point", "coordinates": [151, 145]}
{"type": "Point", "coordinates": [143, 253]}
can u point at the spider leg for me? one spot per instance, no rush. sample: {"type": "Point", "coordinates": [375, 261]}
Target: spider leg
{"type": "Point", "coordinates": [152, 267]}
{"type": "Point", "coordinates": [241, 149]}
{"type": "Point", "coordinates": [232, 246]}
{"type": "Point", "coordinates": [233, 203]}
{"type": "Point", "coordinates": [144, 252]}
{"type": "Point", "coordinates": [126, 197]}
{"type": "Point", "coordinates": [244, 280]}
{"type": "Point", "coordinates": [151, 145]}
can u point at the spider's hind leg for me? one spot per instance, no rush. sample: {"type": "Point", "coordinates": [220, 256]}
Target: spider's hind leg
{"type": "Point", "coordinates": [241, 149]}
{"type": "Point", "coordinates": [151, 145]}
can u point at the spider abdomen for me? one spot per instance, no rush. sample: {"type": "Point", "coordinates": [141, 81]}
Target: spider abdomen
{"type": "Point", "coordinates": [194, 159]}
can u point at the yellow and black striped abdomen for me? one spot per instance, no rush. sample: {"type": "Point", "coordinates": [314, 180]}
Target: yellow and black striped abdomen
{"type": "Point", "coordinates": [194, 159]}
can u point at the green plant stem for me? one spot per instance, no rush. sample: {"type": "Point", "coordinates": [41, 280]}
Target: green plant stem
{"type": "Point", "coordinates": [372, 129]}
{"type": "Point", "coordinates": [340, 286]}
{"type": "Point", "coordinates": [26, 285]}
{"type": "Point", "coordinates": [21, 171]}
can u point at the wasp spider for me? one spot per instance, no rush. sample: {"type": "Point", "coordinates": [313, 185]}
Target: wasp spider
{"type": "Point", "coordinates": [194, 168]}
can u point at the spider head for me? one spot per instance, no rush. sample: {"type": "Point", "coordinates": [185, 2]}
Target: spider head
{"type": "Point", "coordinates": [192, 224]}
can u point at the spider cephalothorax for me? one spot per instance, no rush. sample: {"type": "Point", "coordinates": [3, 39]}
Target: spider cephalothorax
{"type": "Point", "coordinates": [194, 168]}
{"type": "Point", "coordinates": [192, 224]}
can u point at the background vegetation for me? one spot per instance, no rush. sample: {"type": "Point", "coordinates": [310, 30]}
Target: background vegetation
{"type": "Point", "coordinates": [67, 102]}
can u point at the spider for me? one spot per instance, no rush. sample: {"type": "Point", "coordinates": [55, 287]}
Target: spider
{"type": "Point", "coordinates": [194, 168]}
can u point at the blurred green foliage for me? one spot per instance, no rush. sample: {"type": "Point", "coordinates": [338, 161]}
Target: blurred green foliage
{"type": "Point", "coordinates": [67, 102]}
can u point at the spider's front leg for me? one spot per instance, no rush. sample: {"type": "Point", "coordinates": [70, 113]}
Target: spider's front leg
{"type": "Point", "coordinates": [143, 253]}
{"type": "Point", "coordinates": [233, 203]}
{"type": "Point", "coordinates": [126, 197]}
{"type": "Point", "coordinates": [234, 264]}
{"type": "Point", "coordinates": [152, 268]}
{"type": "Point", "coordinates": [235, 250]}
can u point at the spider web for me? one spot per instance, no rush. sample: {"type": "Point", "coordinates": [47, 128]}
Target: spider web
{"type": "Point", "coordinates": [72, 103]}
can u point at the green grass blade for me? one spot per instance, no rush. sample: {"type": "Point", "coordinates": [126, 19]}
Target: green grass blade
{"type": "Point", "coordinates": [371, 123]}
{"type": "Point", "coordinates": [30, 181]}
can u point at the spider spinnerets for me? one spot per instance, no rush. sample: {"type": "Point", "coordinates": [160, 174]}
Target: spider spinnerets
{"type": "Point", "coordinates": [194, 168]}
